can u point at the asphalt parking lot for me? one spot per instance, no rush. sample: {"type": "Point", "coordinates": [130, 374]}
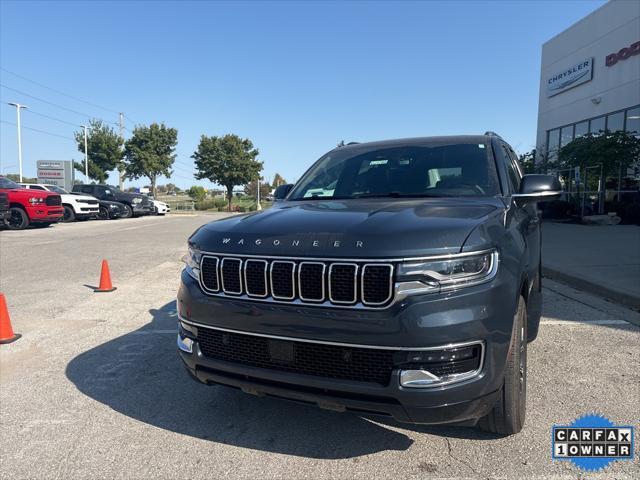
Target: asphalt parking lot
{"type": "Point", "coordinates": [95, 387]}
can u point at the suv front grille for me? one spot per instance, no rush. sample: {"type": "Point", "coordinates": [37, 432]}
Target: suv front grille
{"type": "Point", "coordinates": [312, 282]}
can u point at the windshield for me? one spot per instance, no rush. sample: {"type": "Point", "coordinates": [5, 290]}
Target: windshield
{"type": "Point", "coordinates": [6, 183]}
{"type": "Point", "coordinates": [57, 189]}
{"type": "Point", "coordinates": [437, 170]}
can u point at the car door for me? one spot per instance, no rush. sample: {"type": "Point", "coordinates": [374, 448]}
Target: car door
{"type": "Point", "coordinates": [527, 216]}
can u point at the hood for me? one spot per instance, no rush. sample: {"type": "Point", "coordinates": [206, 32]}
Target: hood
{"type": "Point", "coordinates": [128, 195]}
{"type": "Point", "coordinates": [359, 228]}
{"type": "Point", "coordinates": [20, 193]}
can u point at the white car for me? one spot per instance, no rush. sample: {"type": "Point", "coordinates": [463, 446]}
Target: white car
{"type": "Point", "coordinates": [76, 207]}
{"type": "Point", "coordinates": [159, 207]}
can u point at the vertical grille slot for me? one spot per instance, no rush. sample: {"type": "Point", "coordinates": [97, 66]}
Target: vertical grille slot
{"type": "Point", "coordinates": [283, 280]}
{"type": "Point", "coordinates": [377, 284]}
{"type": "Point", "coordinates": [343, 283]}
{"type": "Point", "coordinates": [209, 274]}
{"type": "Point", "coordinates": [255, 277]}
{"type": "Point", "coordinates": [231, 275]}
{"type": "Point", "coordinates": [311, 281]}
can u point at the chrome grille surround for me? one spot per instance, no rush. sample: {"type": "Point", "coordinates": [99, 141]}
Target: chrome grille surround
{"type": "Point", "coordinates": [222, 275]}
{"type": "Point", "coordinates": [276, 267]}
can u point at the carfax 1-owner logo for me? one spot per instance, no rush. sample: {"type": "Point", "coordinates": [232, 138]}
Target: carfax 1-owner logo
{"type": "Point", "coordinates": [592, 442]}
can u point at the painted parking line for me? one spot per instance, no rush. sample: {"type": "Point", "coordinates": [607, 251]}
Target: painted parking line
{"type": "Point", "coordinates": [584, 322]}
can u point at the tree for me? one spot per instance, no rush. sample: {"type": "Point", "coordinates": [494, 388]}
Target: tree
{"type": "Point", "coordinates": [227, 161]}
{"type": "Point", "coordinates": [104, 149]}
{"type": "Point", "coordinates": [150, 152]}
{"type": "Point", "coordinates": [197, 192]}
{"type": "Point", "coordinates": [251, 189]}
{"type": "Point", "coordinates": [615, 151]}
{"type": "Point", "coordinates": [277, 181]}
{"type": "Point", "coordinates": [528, 162]}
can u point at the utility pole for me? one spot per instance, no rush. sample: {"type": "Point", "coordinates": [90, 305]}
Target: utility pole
{"type": "Point", "coordinates": [120, 176]}
{"type": "Point", "coordinates": [18, 108]}
{"type": "Point", "coordinates": [86, 155]}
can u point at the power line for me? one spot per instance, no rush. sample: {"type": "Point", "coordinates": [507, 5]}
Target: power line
{"type": "Point", "coordinates": [58, 91]}
{"type": "Point", "coordinates": [54, 118]}
{"type": "Point", "coordinates": [39, 131]}
{"type": "Point", "coordinates": [55, 104]}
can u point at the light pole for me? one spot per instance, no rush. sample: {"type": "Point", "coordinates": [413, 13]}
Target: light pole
{"type": "Point", "coordinates": [86, 155]}
{"type": "Point", "coordinates": [258, 206]}
{"type": "Point", "coordinates": [18, 108]}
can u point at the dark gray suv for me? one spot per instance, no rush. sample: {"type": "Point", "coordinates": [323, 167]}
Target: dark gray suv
{"type": "Point", "coordinates": [398, 278]}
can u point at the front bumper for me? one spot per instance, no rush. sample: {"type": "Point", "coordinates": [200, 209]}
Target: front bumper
{"type": "Point", "coordinates": [44, 213]}
{"type": "Point", "coordinates": [476, 314]}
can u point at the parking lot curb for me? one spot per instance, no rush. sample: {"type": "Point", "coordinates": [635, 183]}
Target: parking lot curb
{"type": "Point", "coordinates": [625, 299]}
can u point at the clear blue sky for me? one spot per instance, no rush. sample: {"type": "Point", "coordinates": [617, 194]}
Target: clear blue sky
{"type": "Point", "coordinates": [295, 78]}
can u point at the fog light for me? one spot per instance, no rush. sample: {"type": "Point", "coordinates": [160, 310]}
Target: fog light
{"type": "Point", "coordinates": [185, 344]}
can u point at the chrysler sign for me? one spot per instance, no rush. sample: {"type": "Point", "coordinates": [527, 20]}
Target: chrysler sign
{"type": "Point", "coordinates": [570, 77]}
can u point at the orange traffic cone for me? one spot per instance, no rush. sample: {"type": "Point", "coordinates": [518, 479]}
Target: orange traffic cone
{"type": "Point", "coordinates": [105, 279]}
{"type": "Point", "coordinates": [6, 332]}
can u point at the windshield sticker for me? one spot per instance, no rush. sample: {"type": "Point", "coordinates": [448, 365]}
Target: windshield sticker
{"type": "Point", "coordinates": [378, 162]}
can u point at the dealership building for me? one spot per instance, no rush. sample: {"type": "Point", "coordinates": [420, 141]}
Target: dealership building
{"type": "Point", "coordinates": [590, 78]}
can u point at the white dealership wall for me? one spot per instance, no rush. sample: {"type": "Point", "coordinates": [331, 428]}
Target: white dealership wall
{"type": "Point", "coordinates": [614, 26]}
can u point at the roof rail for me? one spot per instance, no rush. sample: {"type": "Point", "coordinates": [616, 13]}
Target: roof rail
{"type": "Point", "coordinates": [353, 143]}
{"type": "Point", "coordinates": [492, 134]}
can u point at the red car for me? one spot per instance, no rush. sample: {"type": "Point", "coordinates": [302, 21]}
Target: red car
{"type": "Point", "coordinates": [30, 207]}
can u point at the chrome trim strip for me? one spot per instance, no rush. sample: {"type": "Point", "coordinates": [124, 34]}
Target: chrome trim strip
{"type": "Point", "coordinates": [355, 284]}
{"type": "Point", "coordinates": [337, 344]}
{"type": "Point", "coordinates": [315, 300]}
{"type": "Point", "coordinates": [205, 289]}
{"type": "Point", "coordinates": [231, 292]}
{"type": "Point", "coordinates": [348, 259]}
{"type": "Point", "coordinates": [246, 284]}
{"type": "Point", "coordinates": [293, 280]}
{"type": "Point", "coordinates": [364, 269]}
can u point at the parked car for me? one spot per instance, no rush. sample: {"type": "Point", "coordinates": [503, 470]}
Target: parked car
{"type": "Point", "coordinates": [135, 204]}
{"type": "Point", "coordinates": [110, 210]}
{"type": "Point", "coordinates": [159, 208]}
{"type": "Point", "coordinates": [400, 278]}
{"type": "Point", "coordinates": [30, 207]}
{"type": "Point", "coordinates": [76, 207]}
{"type": "Point", "coordinates": [5, 213]}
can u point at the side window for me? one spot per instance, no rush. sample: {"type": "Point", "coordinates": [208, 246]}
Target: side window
{"type": "Point", "coordinates": [35, 187]}
{"type": "Point", "coordinates": [512, 172]}
{"type": "Point", "coordinates": [87, 189]}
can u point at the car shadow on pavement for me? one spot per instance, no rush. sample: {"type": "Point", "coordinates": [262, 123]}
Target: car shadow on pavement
{"type": "Point", "coordinates": [140, 375]}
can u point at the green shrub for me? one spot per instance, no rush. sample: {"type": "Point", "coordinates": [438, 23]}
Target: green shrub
{"type": "Point", "coordinates": [204, 205]}
{"type": "Point", "coordinates": [220, 202]}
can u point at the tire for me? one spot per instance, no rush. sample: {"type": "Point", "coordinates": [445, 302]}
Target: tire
{"type": "Point", "coordinates": [128, 211]}
{"type": "Point", "coordinates": [69, 214]}
{"type": "Point", "coordinates": [19, 219]}
{"type": "Point", "coordinates": [103, 214]}
{"type": "Point", "coordinates": [508, 414]}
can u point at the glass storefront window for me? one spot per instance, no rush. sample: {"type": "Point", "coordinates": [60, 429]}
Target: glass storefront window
{"type": "Point", "coordinates": [633, 121]}
{"type": "Point", "coordinates": [566, 135]}
{"type": "Point", "coordinates": [553, 141]}
{"type": "Point", "coordinates": [615, 122]}
{"type": "Point", "coordinates": [582, 129]}
{"type": "Point", "coordinates": [597, 125]}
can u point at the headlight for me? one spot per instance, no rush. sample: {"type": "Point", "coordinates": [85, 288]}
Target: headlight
{"type": "Point", "coordinates": [192, 262]}
{"type": "Point", "coordinates": [113, 207]}
{"type": "Point", "coordinates": [447, 273]}
{"type": "Point", "coordinates": [136, 200]}
{"type": "Point", "coordinates": [36, 200]}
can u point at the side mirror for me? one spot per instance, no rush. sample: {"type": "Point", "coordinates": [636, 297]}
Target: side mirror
{"type": "Point", "coordinates": [537, 188]}
{"type": "Point", "coordinates": [281, 192]}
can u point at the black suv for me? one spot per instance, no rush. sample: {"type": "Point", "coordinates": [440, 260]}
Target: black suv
{"type": "Point", "coordinates": [134, 204]}
{"type": "Point", "coordinates": [398, 278]}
